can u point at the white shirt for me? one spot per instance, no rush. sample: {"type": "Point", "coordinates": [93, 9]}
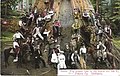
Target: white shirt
{"type": "Point", "coordinates": [72, 56]}
{"type": "Point", "coordinates": [37, 29]}
{"type": "Point", "coordinates": [39, 19]}
{"type": "Point", "coordinates": [83, 50]}
{"type": "Point", "coordinates": [15, 44]}
{"type": "Point", "coordinates": [46, 32]}
{"type": "Point", "coordinates": [31, 16]}
{"type": "Point", "coordinates": [47, 16]}
{"type": "Point", "coordinates": [100, 31]}
{"type": "Point", "coordinates": [108, 30]}
{"type": "Point", "coordinates": [85, 14]}
{"type": "Point", "coordinates": [98, 46]}
{"type": "Point", "coordinates": [35, 11]}
{"type": "Point", "coordinates": [18, 35]}
{"type": "Point", "coordinates": [20, 23]}
{"type": "Point", "coordinates": [51, 13]}
{"type": "Point", "coordinates": [54, 58]}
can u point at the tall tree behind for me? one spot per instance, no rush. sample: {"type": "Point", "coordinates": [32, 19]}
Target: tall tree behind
{"type": "Point", "coordinates": [115, 15]}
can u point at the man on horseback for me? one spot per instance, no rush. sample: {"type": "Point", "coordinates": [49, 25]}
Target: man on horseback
{"type": "Point", "coordinates": [18, 36]}
{"type": "Point", "coordinates": [16, 47]}
{"type": "Point", "coordinates": [101, 51]}
{"type": "Point", "coordinates": [37, 32]}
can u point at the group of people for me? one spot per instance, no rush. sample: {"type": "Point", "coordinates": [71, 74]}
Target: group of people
{"type": "Point", "coordinates": [39, 32]}
{"type": "Point", "coordinates": [68, 58]}
{"type": "Point", "coordinates": [100, 32]}
{"type": "Point", "coordinates": [60, 58]}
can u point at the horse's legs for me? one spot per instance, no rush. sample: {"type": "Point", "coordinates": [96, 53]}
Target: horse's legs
{"type": "Point", "coordinates": [6, 57]}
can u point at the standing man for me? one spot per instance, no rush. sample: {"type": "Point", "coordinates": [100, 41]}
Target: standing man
{"type": "Point", "coordinates": [101, 51]}
{"type": "Point", "coordinates": [99, 33]}
{"type": "Point", "coordinates": [37, 32]}
{"type": "Point", "coordinates": [35, 13]}
{"type": "Point", "coordinates": [83, 51]}
{"type": "Point", "coordinates": [39, 21]}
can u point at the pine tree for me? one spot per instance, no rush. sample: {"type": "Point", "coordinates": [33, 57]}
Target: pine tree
{"type": "Point", "coordinates": [115, 17]}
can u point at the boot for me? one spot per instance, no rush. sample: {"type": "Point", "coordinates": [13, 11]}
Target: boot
{"type": "Point", "coordinates": [15, 60]}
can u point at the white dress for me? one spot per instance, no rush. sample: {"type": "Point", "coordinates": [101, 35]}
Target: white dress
{"type": "Point", "coordinates": [61, 59]}
{"type": "Point", "coordinates": [54, 58]}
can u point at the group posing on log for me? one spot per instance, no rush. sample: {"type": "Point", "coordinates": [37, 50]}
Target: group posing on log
{"type": "Point", "coordinates": [38, 33]}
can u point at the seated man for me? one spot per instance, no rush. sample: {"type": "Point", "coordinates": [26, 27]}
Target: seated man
{"type": "Point", "coordinates": [17, 50]}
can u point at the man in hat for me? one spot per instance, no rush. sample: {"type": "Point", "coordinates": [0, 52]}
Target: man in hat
{"type": "Point", "coordinates": [86, 16]}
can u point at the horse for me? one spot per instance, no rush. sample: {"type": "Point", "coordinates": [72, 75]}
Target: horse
{"type": "Point", "coordinates": [24, 50]}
